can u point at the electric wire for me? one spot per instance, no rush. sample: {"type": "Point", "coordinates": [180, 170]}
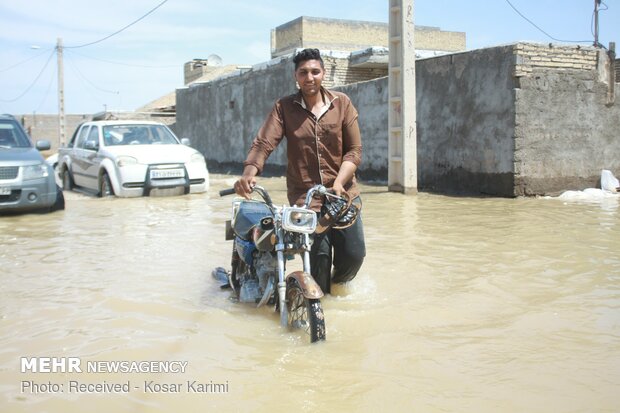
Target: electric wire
{"type": "Point", "coordinates": [123, 64]}
{"type": "Point", "coordinates": [24, 61]}
{"type": "Point", "coordinates": [74, 67]}
{"type": "Point", "coordinates": [118, 31]}
{"type": "Point", "coordinates": [541, 30]}
{"type": "Point", "coordinates": [33, 82]}
{"type": "Point", "coordinates": [593, 29]}
{"type": "Point", "coordinates": [47, 91]}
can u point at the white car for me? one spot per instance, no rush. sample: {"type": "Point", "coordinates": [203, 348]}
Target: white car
{"type": "Point", "coordinates": [129, 159]}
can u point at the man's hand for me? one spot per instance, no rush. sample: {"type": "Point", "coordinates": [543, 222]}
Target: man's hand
{"type": "Point", "coordinates": [243, 186]}
{"type": "Point", "coordinates": [346, 172]}
{"type": "Point", "coordinates": [338, 188]}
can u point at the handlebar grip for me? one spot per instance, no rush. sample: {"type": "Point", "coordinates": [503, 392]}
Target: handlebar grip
{"type": "Point", "coordinates": [229, 191]}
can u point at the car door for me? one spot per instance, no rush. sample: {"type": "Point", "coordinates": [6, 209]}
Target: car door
{"type": "Point", "coordinates": [90, 159]}
{"type": "Point", "coordinates": [78, 166]}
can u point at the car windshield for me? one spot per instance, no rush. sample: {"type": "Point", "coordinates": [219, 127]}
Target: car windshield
{"type": "Point", "coordinates": [114, 135]}
{"type": "Point", "coordinates": [12, 135]}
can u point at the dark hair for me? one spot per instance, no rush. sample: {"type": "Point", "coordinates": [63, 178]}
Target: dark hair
{"type": "Point", "coordinates": [307, 54]}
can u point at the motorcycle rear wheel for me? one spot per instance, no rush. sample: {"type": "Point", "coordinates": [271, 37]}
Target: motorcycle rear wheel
{"type": "Point", "coordinates": [304, 313]}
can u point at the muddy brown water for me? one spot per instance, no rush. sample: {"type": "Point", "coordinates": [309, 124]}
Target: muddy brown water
{"type": "Point", "coordinates": [462, 305]}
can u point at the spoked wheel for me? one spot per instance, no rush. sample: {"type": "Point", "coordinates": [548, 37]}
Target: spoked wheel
{"type": "Point", "coordinates": [304, 313]}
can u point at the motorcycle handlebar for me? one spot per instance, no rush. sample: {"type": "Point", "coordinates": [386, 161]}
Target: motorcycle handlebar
{"type": "Point", "coordinates": [229, 191]}
{"type": "Point", "coordinates": [258, 189]}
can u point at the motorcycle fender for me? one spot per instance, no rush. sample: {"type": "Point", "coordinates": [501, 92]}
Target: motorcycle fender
{"type": "Point", "coordinates": [309, 287]}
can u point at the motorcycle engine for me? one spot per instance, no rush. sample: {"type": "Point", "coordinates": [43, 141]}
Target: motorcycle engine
{"type": "Point", "coordinates": [253, 288]}
{"type": "Point", "coordinates": [266, 265]}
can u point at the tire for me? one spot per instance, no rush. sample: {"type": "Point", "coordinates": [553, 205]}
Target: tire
{"type": "Point", "coordinates": [304, 313]}
{"type": "Point", "coordinates": [67, 180]}
{"type": "Point", "coordinates": [105, 186]}
{"type": "Point", "coordinates": [59, 205]}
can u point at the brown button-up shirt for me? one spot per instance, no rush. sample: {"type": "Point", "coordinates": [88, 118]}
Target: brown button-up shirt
{"type": "Point", "coordinates": [316, 147]}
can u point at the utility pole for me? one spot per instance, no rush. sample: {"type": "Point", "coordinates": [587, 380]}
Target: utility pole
{"type": "Point", "coordinates": [61, 94]}
{"type": "Point", "coordinates": [402, 136]}
{"type": "Point", "coordinates": [596, 4]}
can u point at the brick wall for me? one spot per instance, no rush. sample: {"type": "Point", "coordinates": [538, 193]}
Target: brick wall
{"type": "Point", "coordinates": [352, 35]}
{"type": "Point", "coordinates": [530, 57]}
{"type": "Point", "coordinates": [338, 72]}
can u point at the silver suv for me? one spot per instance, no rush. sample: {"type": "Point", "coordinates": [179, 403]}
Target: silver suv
{"type": "Point", "coordinates": [27, 182]}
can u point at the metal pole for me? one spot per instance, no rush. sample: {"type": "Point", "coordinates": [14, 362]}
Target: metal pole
{"type": "Point", "coordinates": [61, 94]}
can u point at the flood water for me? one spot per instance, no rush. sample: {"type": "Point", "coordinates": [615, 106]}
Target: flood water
{"type": "Point", "coordinates": [462, 305]}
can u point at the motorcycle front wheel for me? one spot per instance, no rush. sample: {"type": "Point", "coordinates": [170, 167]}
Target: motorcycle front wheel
{"type": "Point", "coordinates": [304, 313]}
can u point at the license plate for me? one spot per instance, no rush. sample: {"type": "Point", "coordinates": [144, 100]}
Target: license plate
{"type": "Point", "coordinates": [167, 173]}
{"type": "Point", "coordinates": [5, 190]}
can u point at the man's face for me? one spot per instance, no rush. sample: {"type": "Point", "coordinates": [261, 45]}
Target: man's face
{"type": "Point", "coordinates": [309, 76]}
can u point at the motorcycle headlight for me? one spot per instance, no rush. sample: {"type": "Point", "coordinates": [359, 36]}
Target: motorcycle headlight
{"type": "Point", "coordinates": [126, 160]}
{"type": "Point", "coordinates": [39, 171]}
{"type": "Point", "coordinates": [298, 220]}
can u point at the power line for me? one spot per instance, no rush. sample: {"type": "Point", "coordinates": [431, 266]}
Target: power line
{"type": "Point", "coordinates": [33, 82]}
{"type": "Point", "coordinates": [541, 30]}
{"type": "Point", "coordinates": [24, 61]}
{"type": "Point", "coordinates": [118, 31]}
{"type": "Point", "coordinates": [47, 91]}
{"type": "Point", "coordinates": [124, 64]}
{"type": "Point", "coordinates": [81, 75]}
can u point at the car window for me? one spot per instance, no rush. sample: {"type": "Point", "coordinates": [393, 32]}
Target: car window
{"type": "Point", "coordinates": [74, 137]}
{"type": "Point", "coordinates": [137, 134]}
{"type": "Point", "coordinates": [162, 135]}
{"type": "Point", "coordinates": [12, 135]}
{"type": "Point", "coordinates": [82, 137]}
{"type": "Point", "coordinates": [93, 136]}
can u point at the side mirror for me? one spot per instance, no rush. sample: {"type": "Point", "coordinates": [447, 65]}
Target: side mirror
{"type": "Point", "coordinates": [91, 145]}
{"type": "Point", "coordinates": [43, 145]}
{"type": "Point", "coordinates": [186, 142]}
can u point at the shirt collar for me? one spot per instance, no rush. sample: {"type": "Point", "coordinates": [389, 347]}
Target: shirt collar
{"type": "Point", "coordinates": [328, 98]}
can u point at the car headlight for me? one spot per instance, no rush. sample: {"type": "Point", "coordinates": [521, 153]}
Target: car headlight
{"type": "Point", "coordinates": [298, 220]}
{"type": "Point", "coordinates": [126, 160]}
{"type": "Point", "coordinates": [35, 171]}
{"type": "Point", "coordinates": [198, 158]}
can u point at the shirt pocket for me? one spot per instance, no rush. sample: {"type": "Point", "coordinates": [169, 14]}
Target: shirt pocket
{"type": "Point", "coordinates": [330, 139]}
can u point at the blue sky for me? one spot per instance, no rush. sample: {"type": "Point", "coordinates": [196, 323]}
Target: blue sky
{"type": "Point", "coordinates": [146, 60]}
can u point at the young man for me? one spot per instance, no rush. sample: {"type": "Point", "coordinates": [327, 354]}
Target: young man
{"type": "Point", "coordinates": [323, 147]}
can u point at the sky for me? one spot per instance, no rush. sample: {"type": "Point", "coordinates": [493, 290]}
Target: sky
{"type": "Point", "coordinates": [128, 69]}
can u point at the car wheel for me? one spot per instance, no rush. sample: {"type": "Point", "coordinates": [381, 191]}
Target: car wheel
{"type": "Point", "coordinates": [105, 186]}
{"type": "Point", "coordinates": [67, 180]}
{"type": "Point", "coordinates": [59, 205]}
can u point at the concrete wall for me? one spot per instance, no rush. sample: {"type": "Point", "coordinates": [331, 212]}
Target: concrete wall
{"type": "Point", "coordinates": [222, 117]}
{"type": "Point", "coordinates": [465, 119]}
{"type": "Point", "coordinates": [566, 129]}
{"type": "Point", "coordinates": [506, 121]}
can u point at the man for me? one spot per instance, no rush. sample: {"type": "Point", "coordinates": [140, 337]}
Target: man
{"type": "Point", "coordinates": [323, 147]}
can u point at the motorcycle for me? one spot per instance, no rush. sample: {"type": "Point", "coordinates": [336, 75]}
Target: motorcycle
{"type": "Point", "coordinates": [265, 237]}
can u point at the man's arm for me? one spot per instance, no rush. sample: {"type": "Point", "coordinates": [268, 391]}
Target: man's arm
{"type": "Point", "coordinates": [345, 174]}
{"type": "Point", "coordinates": [244, 185]}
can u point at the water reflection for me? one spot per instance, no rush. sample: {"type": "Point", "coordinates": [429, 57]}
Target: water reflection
{"type": "Point", "coordinates": [463, 304]}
